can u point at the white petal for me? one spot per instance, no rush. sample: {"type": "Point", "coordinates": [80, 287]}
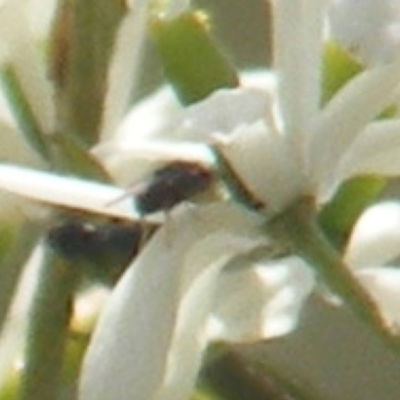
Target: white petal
{"type": "Point", "coordinates": [133, 151]}
{"type": "Point", "coordinates": [129, 162]}
{"type": "Point", "coordinates": [150, 118]}
{"type": "Point", "coordinates": [150, 335]}
{"type": "Point", "coordinates": [124, 67]}
{"type": "Point", "coordinates": [369, 28]}
{"type": "Point", "coordinates": [21, 53]}
{"type": "Point", "coordinates": [40, 13]}
{"type": "Point", "coordinates": [190, 337]}
{"type": "Point", "coordinates": [223, 111]}
{"type": "Point", "coordinates": [297, 48]}
{"type": "Point", "coordinates": [261, 302]}
{"type": "Point", "coordinates": [383, 283]}
{"type": "Point", "coordinates": [262, 161]}
{"type": "Point", "coordinates": [375, 151]}
{"type": "Point", "coordinates": [226, 110]}
{"type": "Point", "coordinates": [14, 332]}
{"type": "Point", "coordinates": [65, 191]}
{"type": "Point", "coordinates": [260, 79]}
{"type": "Point", "coordinates": [375, 239]}
{"type": "Point", "coordinates": [346, 115]}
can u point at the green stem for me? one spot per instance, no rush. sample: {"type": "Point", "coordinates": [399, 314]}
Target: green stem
{"type": "Point", "coordinates": [12, 265]}
{"type": "Point", "coordinates": [47, 331]}
{"type": "Point", "coordinates": [82, 44]}
{"type": "Point", "coordinates": [23, 111]}
{"type": "Point", "coordinates": [297, 225]}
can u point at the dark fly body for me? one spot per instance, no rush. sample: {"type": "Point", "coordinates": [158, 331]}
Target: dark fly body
{"type": "Point", "coordinates": [171, 185]}
{"type": "Point", "coordinates": [105, 249]}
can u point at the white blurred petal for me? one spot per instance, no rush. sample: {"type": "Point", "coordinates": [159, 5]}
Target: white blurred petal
{"type": "Point", "coordinates": [130, 162]}
{"type": "Point", "coordinates": [375, 151]}
{"type": "Point", "coordinates": [124, 67]}
{"type": "Point", "coordinates": [369, 28]}
{"type": "Point", "coordinates": [263, 301]}
{"type": "Point", "coordinates": [20, 52]}
{"type": "Point", "coordinates": [297, 48]}
{"type": "Point", "coordinates": [160, 116]}
{"type": "Point", "coordinates": [13, 334]}
{"type": "Point", "coordinates": [226, 110]}
{"type": "Point", "coordinates": [344, 117]}
{"type": "Point", "coordinates": [150, 336]}
{"type": "Point", "coordinates": [150, 118]}
{"type": "Point", "coordinates": [40, 13]}
{"type": "Point", "coordinates": [375, 239]}
{"type": "Point", "coordinates": [383, 283]}
{"type": "Point", "coordinates": [65, 191]}
{"type": "Point", "coordinates": [264, 164]}
{"type": "Point", "coordinates": [260, 79]}
{"type": "Point", "coordinates": [160, 122]}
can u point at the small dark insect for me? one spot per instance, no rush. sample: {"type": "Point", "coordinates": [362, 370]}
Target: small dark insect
{"type": "Point", "coordinates": [171, 185]}
{"type": "Point", "coordinates": [105, 248]}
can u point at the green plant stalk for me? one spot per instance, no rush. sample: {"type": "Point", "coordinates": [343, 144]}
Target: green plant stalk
{"type": "Point", "coordinates": [48, 329]}
{"type": "Point", "coordinates": [12, 264]}
{"type": "Point", "coordinates": [71, 157]}
{"type": "Point", "coordinates": [23, 112]}
{"type": "Point", "coordinates": [297, 226]}
{"type": "Point", "coordinates": [82, 42]}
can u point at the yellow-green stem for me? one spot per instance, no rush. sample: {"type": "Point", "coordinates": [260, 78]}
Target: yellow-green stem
{"type": "Point", "coordinates": [298, 226]}
{"type": "Point", "coordinates": [12, 265]}
{"type": "Point", "coordinates": [47, 332]}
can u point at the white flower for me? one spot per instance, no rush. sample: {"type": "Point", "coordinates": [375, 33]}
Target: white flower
{"type": "Point", "coordinates": [148, 342]}
{"type": "Point", "coordinates": [272, 129]}
{"type": "Point", "coordinates": [308, 151]}
{"type": "Point", "coordinates": [284, 147]}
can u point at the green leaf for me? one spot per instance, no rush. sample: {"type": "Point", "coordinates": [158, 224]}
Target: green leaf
{"type": "Point", "coordinates": [82, 45]}
{"type": "Point", "coordinates": [192, 61]}
{"type": "Point", "coordinates": [23, 112]}
{"type": "Point", "coordinates": [338, 217]}
{"type": "Point", "coordinates": [338, 68]}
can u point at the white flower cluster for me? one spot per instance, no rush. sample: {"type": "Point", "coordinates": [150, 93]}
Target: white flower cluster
{"type": "Point", "coordinates": [185, 288]}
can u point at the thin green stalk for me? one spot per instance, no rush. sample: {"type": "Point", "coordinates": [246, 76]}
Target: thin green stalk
{"type": "Point", "coordinates": [82, 43]}
{"type": "Point", "coordinates": [47, 331]}
{"type": "Point", "coordinates": [12, 265]}
{"type": "Point", "coordinates": [298, 226]}
{"type": "Point", "coordinates": [23, 111]}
